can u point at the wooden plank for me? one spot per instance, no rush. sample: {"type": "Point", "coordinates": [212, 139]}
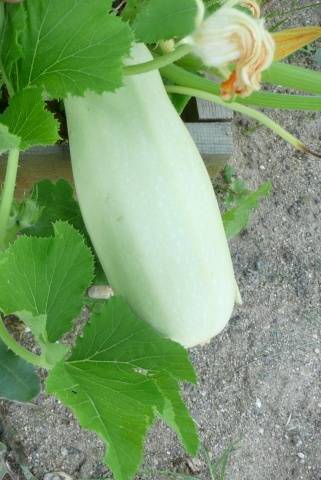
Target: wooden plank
{"type": "Point", "coordinates": [214, 141]}
{"type": "Point", "coordinates": [38, 165]}
{"type": "Point", "coordinates": [211, 111]}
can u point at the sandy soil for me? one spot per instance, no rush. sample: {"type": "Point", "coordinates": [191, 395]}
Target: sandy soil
{"type": "Point", "coordinates": [260, 380]}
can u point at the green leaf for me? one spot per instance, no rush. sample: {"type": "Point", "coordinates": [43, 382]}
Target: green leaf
{"type": "Point", "coordinates": [294, 77]}
{"type": "Point", "coordinates": [47, 276]}
{"type": "Point", "coordinates": [11, 37]}
{"type": "Point", "coordinates": [119, 374]}
{"type": "Point", "coordinates": [27, 118]}
{"type": "Point", "coordinates": [165, 19]}
{"type": "Point", "coordinates": [56, 201]}
{"type": "Point", "coordinates": [132, 8]}
{"type": "Point", "coordinates": [238, 218]}
{"type": "Point", "coordinates": [18, 379]}
{"type": "Point", "coordinates": [7, 139]}
{"type": "Point", "coordinates": [70, 46]}
{"type": "Point", "coordinates": [180, 102]}
{"type": "Point", "coordinates": [176, 415]}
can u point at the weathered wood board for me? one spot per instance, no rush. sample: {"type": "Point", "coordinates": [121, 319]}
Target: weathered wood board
{"type": "Point", "coordinates": [212, 134]}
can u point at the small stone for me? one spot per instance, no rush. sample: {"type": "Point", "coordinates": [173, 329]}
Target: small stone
{"type": "Point", "coordinates": [57, 476]}
{"type": "Point", "coordinates": [317, 351]}
{"type": "Point", "coordinates": [261, 431]}
{"type": "Point", "coordinates": [301, 455]}
{"type": "Point", "coordinates": [64, 452]}
{"type": "Point", "coordinates": [258, 403]}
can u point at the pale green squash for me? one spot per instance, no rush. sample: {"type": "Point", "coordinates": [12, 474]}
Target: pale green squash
{"type": "Point", "coordinates": [150, 208]}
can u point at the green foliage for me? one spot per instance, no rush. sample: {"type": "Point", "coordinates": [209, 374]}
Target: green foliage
{"type": "Point", "coordinates": [132, 8]}
{"type": "Point", "coordinates": [242, 200]}
{"type": "Point", "coordinates": [56, 202]}
{"type": "Point", "coordinates": [212, 5]}
{"type": "Point", "coordinates": [27, 118]}
{"type": "Point", "coordinates": [165, 19]}
{"type": "Point", "coordinates": [120, 373]}
{"type": "Point", "coordinates": [294, 77]}
{"type": "Point", "coordinates": [22, 216]}
{"type": "Point", "coordinates": [86, 47]}
{"type": "Point", "coordinates": [11, 38]}
{"type": "Point", "coordinates": [18, 379]}
{"type": "Point", "coordinates": [47, 276]}
{"type": "Point", "coordinates": [7, 139]}
{"type": "Point", "coordinates": [217, 469]}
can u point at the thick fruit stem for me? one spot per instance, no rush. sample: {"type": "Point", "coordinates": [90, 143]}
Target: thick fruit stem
{"type": "Point", "coordinates": [158, 62]}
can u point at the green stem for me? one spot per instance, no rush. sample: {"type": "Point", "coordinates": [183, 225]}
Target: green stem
{"type": "Point", "coordinates": [158, 62]}
{"type": "Point", "coordinates": [250, 112]}
{"type": "Point", "coordinates": [8, 193]}
{"type": "Point", "coordinates": [22, 352]}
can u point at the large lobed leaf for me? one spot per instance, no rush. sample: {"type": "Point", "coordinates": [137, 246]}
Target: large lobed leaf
{"type": "Point", "coordinates": [10, 37]}
{"type": "Point", "coordinates": [47, 276]}
{"type": "Point", "coordinates": [164, 19]}
{"type": "Point", "coordinates": [119, 375]}
{"type": "Point", "coordinates": [27, 118]}
{"type": "Point", "coordinates": [56, 202]}
{"type": "Point", "coordinates": [68, 46]}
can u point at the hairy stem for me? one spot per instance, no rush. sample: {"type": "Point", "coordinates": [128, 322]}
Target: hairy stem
{"type": "Point", "coordinates": [19, 350]}
{"type": "Point", "coordinates": [8, 193]}
{"type": "Point", "coordinates": [243, 109]}
{"type": "Point", "coordinates": [158, 62]}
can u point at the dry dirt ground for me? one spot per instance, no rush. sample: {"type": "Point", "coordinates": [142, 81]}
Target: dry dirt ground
{"type": "Point", "coordinates": [260, 380]}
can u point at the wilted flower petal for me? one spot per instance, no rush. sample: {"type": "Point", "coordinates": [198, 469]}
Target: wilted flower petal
{"type": "Point", "coordinates": [230, 35]}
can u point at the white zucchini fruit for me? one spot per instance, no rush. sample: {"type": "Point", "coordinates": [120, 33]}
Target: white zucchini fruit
{"type": "Point", "coordinates": [150, 208]}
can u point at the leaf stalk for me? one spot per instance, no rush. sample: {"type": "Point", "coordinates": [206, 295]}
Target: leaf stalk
{"type": "Point", "coordinates": [7, 193]}
{"type": "Point", "coordinates": [243, 109]}
{"type": "Point", "coordinates": [19, 350]}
